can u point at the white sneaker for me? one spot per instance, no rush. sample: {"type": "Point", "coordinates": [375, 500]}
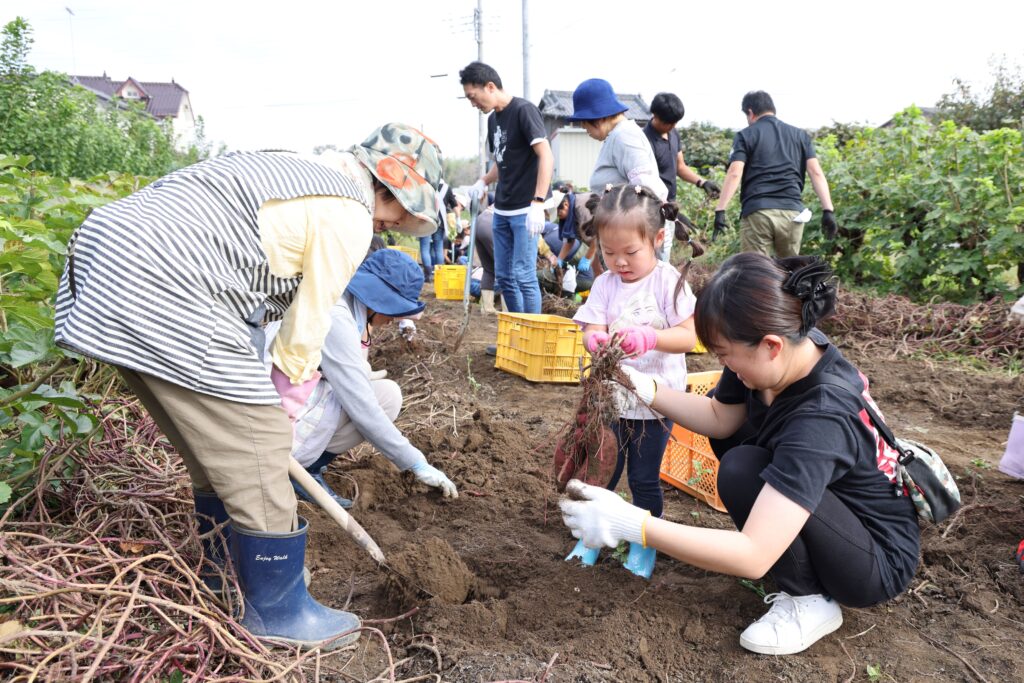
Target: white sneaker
{"type": "Point", "coordinates": [792, 624]}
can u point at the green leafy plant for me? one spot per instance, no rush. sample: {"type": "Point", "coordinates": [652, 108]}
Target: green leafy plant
{"type": "Point", "coordinates": [874, 672]}
{"type": "Point", "coordinates": [981, 463]}
{"type": "Point", "coordinates": [473, 384]}
{"type": "Point", "coordinates": [621, 552]}
{"type": "Point", "coordinates": [758, 588]}
{"type": "Point", "coordinates": [41, 397]}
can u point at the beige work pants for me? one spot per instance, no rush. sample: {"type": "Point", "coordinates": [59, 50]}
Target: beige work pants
{"type": "Point", "coordinates": [772, 229]}
{"type": "Point", "coordinates": [238, 450]}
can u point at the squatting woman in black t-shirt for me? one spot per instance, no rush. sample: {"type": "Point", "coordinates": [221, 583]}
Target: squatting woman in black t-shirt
{"type": "Point", "coordinates": [809, 487]}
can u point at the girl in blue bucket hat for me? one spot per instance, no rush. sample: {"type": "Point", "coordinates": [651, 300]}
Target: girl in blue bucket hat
{"type": "Point", "coordinates": [345, 407]}
{"type": "Point", "coordinates": [626, 156]}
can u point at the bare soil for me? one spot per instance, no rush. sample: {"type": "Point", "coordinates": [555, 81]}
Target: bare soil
{"type": "Point", "coordinates": [497, 601]}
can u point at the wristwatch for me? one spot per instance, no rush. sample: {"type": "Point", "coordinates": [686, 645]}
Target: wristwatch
{"type": "Point", "coordinates": [539, 199]}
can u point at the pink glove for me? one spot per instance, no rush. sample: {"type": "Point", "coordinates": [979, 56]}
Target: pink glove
{"type": "Point", "coordinates": [293, 396]}
{"type": "Point", "coordinates": [596, 340]}
{"type": "Point", "coordinates": [636, 341]}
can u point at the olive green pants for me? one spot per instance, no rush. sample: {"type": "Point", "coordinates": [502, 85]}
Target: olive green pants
{"type": "Point", "coordinates": [238, 450]}
{"type": "Point", "coordinates": [771, 230]}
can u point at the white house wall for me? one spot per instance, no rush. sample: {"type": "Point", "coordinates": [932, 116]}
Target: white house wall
{"type": "Point", "coordinates": [575, 155]}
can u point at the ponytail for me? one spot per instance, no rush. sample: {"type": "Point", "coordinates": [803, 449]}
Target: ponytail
{"type": "Point", "coordinates": [681, 227]}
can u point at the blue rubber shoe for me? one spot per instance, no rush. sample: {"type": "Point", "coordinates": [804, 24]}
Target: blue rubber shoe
{"type": "Point", "coordinates": [316, 470]}
{"type": "Point", "coordinates": [277, 604]}
{"type": "Point", "coordinates": [587, 556]}
{"type": "Point", "coordinates": [210, 512]}
{"type": "Point", "coordinates": [640, 560]}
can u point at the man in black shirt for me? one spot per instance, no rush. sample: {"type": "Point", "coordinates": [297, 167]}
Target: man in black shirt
{"type": "Point", "coordinates": [769, 159]}
{"type": "Point", "coordinates": [666, 112]}
{"type": "Point", "coordinates": [523, 165]}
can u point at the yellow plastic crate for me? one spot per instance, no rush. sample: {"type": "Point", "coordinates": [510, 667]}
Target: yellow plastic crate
{"type": "Point", "coordinates": [449, 282]}
{"type": "Point", "coordinates": [699, 348]}
{"type": "Point", "coordinates": [539, 347]}
{"type": "Point", "coordinates": [414, 253]}
{"type": "Point", "coordinates": [689, 463]}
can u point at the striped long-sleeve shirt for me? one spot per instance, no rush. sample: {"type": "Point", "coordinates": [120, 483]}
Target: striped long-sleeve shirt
{"type": "Point", "coordinates": [173, 280]}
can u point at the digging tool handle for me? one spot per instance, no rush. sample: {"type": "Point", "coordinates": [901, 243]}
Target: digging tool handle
{"type": "Point", "coordinates": [331, 507]}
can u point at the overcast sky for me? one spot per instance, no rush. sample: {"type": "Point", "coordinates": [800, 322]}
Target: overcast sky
{"type": "Point", "coordinates": [299, 73]}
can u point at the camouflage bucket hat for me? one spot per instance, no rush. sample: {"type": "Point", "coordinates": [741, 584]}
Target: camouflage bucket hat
{"type": "Point", "coordinates": [408, 163]}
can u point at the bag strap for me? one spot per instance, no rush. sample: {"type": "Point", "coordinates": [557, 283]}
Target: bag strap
{"type": "Point", "coordinates": [817, 378]}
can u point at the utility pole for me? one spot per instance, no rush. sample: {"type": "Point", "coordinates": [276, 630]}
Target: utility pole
{"type": "Point", "coordinates": [71, 30]}
{"type": "Point", "coordinates": [478, 27]}
{"type": "Point", "coordinates": [526, 52]}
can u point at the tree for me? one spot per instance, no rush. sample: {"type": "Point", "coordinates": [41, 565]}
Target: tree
{"type": "Point", "coordinates": [64, 128]}
{"type": "Point", "coordinates": [1001, 106]}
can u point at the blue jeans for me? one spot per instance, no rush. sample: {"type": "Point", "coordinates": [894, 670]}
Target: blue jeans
{"type": "Point", "coordinates": [432, 251]}
{"type": "Point", "coordinates": [642, 446]}
{"type": "Point", "coordinates": [515, 264]}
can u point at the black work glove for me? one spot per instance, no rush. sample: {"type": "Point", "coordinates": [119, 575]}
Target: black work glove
{"type": "Point", "coordinates": [720, 225]}
{"type": "Point", "coordinates": [710, 188]}
{"type": "Point", "coordinates": [828, 224]}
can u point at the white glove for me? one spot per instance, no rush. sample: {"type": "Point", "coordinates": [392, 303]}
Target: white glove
{"type": "Point", "coordinates": [599, 517]}
{"type": "Point", "coordinates": [643, 384]}
{"type": "Point", "coordinates": [479, 189]}
{"type": "Point", "coordinates": [431, 476]}
{"type": "Point", "coordinates": [407, 328]}
{"type": "Point", "coordinates": [535, 219]}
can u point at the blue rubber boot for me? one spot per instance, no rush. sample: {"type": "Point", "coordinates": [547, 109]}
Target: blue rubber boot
{"type": "Point", "coordinates": [316, 470]}
{"type": "Point", "coordinates": [210, 512]}
{"type": "Point", "coordinates": [587, 556]}
{"type": "Point", "coordinates": [640, 560]}
{"type": "Point", "coordinates": [277, 604]}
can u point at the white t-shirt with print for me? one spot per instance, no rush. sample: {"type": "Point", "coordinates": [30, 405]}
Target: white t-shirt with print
{"type": "Point", "coordinates": [648, 301]}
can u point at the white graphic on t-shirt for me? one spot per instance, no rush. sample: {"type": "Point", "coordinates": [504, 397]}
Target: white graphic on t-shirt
{"type": "Point", "coordinates": [499, 143]}
{"type": "Point", "coordinates": [641, 309]}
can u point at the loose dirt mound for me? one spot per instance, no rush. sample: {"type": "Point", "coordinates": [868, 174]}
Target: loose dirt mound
{"type": "Point", "coordinates": [431, 570]}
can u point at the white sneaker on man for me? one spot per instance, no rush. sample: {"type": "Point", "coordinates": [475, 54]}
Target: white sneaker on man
{"type": "Point", "coordinates": [793, 624]}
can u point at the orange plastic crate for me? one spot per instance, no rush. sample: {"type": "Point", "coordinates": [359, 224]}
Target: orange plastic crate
{"type": "Point", "coordinates": [689, 463]}
{"type": "Point", "coordinates": [539, 347]}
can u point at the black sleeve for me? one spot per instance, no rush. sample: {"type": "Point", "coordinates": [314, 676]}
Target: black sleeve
{"type": "Point", "coordinates": [809, 152]}
{"type": "Point", "coordinates": [531, 123]}
{"type": "Point", "coordinates": [739, 148]}
{"type": "Point", "coordinates": [730, 389]}
{"type": "Point", "coordinates": [809, 452]}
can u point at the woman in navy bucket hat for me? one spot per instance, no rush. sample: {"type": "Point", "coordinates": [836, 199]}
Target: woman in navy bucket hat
{"type": "Point", "coordinates": [626, 156]}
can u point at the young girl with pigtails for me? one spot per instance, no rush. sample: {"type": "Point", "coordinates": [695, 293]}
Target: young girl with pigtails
{"type": "Point", "coordinates": [809, 483]}
{"type": "Point", "coordinates": [646, 307]}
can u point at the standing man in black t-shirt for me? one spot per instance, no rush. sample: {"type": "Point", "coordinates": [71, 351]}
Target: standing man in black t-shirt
{"type": "Point", "coordinates": [523, 165]}
{"type": "Point", "coordinates": [769, 159]}
{"type": "Point", "coordinates": [666, 112]}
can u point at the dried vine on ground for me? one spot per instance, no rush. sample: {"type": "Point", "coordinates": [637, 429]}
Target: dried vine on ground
{"type": "Point", "coordinates": [102, 576]}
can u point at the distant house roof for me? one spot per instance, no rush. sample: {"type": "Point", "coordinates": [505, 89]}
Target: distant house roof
{"type": "Point", "coordinates": [558, 104]}
{"type": "Point", "coordinates": [162, 99]}
{"type": "Point", "coordinates": [929, 113]}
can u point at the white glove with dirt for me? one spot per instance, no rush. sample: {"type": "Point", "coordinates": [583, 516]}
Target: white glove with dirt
{"type": "Point", "coordinates": [644, 385]}
{"type": "Point", "coordinates": [599, 517]}
{"type": "Point", "coordinates": [407, 328]}
{"type": "Point", "coordinates": [431, 476]}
